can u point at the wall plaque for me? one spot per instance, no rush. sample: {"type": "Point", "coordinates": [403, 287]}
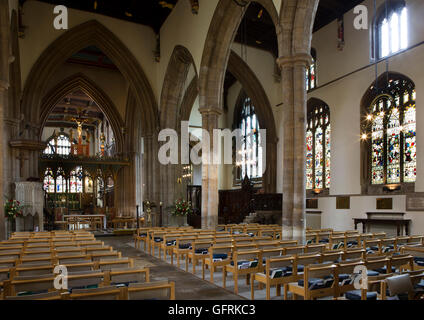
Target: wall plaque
{"type": "Point", "coordinates": [385, 203]}
{"type": "Point", "coordinates": [415, 202]}
{"type": "Point", "coordinates": [343, 203]}
{"type": "Point", "coordinates": [311, 203]}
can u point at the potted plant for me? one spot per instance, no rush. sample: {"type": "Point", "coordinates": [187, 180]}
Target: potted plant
{"type": "Point", "coordinates": [182, 209]}
{"type": "Point", "coordinates": [12, 210]}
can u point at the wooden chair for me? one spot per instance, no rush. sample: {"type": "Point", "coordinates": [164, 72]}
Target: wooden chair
{"type": "Point", "coordinates": [333, 256]}
{"type": "Point", "coordinates": [373, 245]}
{"type": "Point", "coordinates": [103, 293]}
{"type": "Point", "coordinates": [161, 290]}
{"type": "Point", "coordinates": [377, 265]}
{"type": "Point", "coordinates": [108, 264]}
{"type": "Point", "coordinates": [198, 252]}
{"type": "Point", "coordinates": [402, 262]}
{"type": "Point", "coordinates": [319, 280]}
{"type": "Point", "coordinates": [418, 256]}
{"type": "Point", "coordinates": [54, 295]}
{"type": "Point", "coordinates": [85, 279]}
{"type": "Point", "coordinates": [315, 248]}
{"type": "Point", "coordinates": [278, 272]}
{"type": "Point", "coordinates": [243, 263]}
{"type": "Point", "coordinates": [126, 276]}
{"type": "Point", "coordinates": [294, 250]}
{"type": "Point", "coordinates": [346, 275]}
{"type": "Point", "coordinates": [219, 256]}
{"type": "Point", "coordinates": [182, 247]}
{"type": "Point", "coordinates": [28, 285]}
{"type": "Point", "coordinates": [353, 254]}
{"type": "Point", "coordinates": [372, 292]}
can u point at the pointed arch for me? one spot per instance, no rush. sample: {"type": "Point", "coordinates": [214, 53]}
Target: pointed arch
{"type": "Point", "coordinates": [222, 30]}
{"type": "Point", "coordinates": [77, 38]}
{"type": "Point", "coordinates": [80, 81]}
{"type": "Point", "coordinates": [173, 86]}
{"type": "Point", "coordinates": [255, 91]}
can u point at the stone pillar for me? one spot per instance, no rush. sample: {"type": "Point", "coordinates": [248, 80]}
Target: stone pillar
{"type": "Point", "coordinates": [294, 124]}
{"type": "Point", "coordinates": [302, 61]}
{"type": "Point", "coordinates": [4, 85]}
{"type": "Point", "coordinates": [210, 197]}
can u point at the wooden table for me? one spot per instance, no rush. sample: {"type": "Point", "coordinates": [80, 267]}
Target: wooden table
{"type": "Point", "coordinates": [399, 223]}
{"type": "Point", "coordinates": [90, 217]}
{"type": "Point", "coordinates": [123, 220]}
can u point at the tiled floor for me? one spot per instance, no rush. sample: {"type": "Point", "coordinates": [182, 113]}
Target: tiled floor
{"type": "Point", "coordinates": [187, 286]}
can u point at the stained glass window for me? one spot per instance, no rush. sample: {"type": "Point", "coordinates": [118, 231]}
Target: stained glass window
{"type": "Point", "coordinates": [60, 181]}
{"type": "Point", "coordinates": [311, 80]}
{"type": "Point", "coordinates": [75, 180]}
{"type": "Point", "coordinates": [58, 145]}
{"type": "Point", "coordinates": [49, 183]}
{"type": "Point", "coordinates": [392, 123]}
{"type": "Point", "coordinates": [392, 29]}
{"type": "Point", "coordinates": [251, 150]}
{"type": "Point", "coordinates": [318, 146]}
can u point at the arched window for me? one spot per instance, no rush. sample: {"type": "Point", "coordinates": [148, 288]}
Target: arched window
{"type": "Point", "coordinates": [311, 79]}
{"type": "Point", "coordinates": [60, 145]}
{"type": "Point", "coordinates": [391, 127]}
{"type": "Point", "coordinates": [391, 28]}
{"type": "Point", "coordinates": [49, 183]}
{"type": "Point", "coordinates": [75, 180]}
{"type": "Point", "coordinates": [60, 181]}
{"type": "Point", "coordinates": [250, 155]}
{"type": "Point", "coordinates": [318, 145]}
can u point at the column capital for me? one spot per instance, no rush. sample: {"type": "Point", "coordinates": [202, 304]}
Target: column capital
{"type": "Point", "coordinates": [210, 111]}
{"type": "Point", "coordinates": [304, 59]}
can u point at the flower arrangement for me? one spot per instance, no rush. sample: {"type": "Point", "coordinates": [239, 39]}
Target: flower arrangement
{"type": "Point", "coordinates": [182, 208]}
{"type": "Point", "coordinates": [13, 209]}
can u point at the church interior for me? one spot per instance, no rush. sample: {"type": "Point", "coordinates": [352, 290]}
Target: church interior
{"type": "Point", "coordinates": [211, 150]}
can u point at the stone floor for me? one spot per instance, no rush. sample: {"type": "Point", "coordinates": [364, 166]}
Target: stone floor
{"type": "Point", "coordinates": [187, 285]}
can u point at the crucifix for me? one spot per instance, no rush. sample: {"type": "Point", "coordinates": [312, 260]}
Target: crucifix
{"type": "Point", "coordinates": [21, 159]}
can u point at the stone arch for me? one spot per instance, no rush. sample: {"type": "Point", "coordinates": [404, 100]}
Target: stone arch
{"type": "Point", "coordinates": [173, 86]}
{"type": "Point", "coordinates": [80, 81]}
{"type": "Point", "coordinates": [172, 97]}
{"type": "Point", "coordinates": [77, 38]}
{"type": "Point", "coordinates": [188, 100]}
{"type": "Point", "coordinates": [254, 89]}
{"type": "Point", "coordinates": [222, 30]}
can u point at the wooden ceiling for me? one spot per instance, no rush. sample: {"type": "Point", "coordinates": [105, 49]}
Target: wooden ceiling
{"type": "Point", "coordinates": [152, 13]}
{"type": "Point", "coordinates": [75, 105]}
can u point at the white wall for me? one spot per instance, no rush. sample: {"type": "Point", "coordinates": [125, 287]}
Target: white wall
{"type": "Point", "coordinates": [343, 98]}
{"type": "Point", "coordinates": [38, 18]}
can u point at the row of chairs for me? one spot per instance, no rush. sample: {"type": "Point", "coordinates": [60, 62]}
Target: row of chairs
{"type": "Point", "coordinates": [27, 267]}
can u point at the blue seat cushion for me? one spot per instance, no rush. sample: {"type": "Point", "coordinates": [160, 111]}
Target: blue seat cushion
{"type": "Point", "coordinates": [352, 243]}
{"type": "Point", "coordinates": [316, 283]}
{"type": "Point", "coordinates": [158, 239]}
{"type": "Point", "coordinates": [143, 234]}
{"type": "Point", "coordinates": [372, 273]}
{"type": "Point", "coordinates": [184, 246]}
{"type": "Point", "coordinates": [373, 248]}
{"type": "Point", "coordinates": [344, 276]}
{"type": "Point", "coordinates": [171, 242]}
{"type": "Point", "coordinates": [324, 241]}
{"type": "Point", "coordinates": [420, 285]}
{"type": "Point", "coordinates": [419, 261]}
{"type": "Point", "coordinates": [201, 251]}
{"type": "Point", "coordinates": [220, 256]}
{"type": "Point", "coordinates": [384, 269]}
{"type": "Point", "coordinates": [356, 295]}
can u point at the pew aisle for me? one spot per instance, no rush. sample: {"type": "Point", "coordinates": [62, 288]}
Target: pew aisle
{"type": "Point", "coordinates": [254, 262]}
{"type": "Point", "coordinates": [30, 263]}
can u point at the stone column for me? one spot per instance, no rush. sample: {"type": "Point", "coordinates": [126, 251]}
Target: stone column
{"type": "Point", "coordinates": [294, 124]}
{"type": "Point", "coordinates": [288, 132]}
{"type": "Point", "coordinates": [301, 62]}
{"type": "Point", "coordinates": [210, 173]}
{"type": "Point", "coordinates": [4, 85]}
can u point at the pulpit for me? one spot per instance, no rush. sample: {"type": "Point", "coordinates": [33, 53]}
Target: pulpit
{"type": "Point", "coordinates": [30, 195]}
